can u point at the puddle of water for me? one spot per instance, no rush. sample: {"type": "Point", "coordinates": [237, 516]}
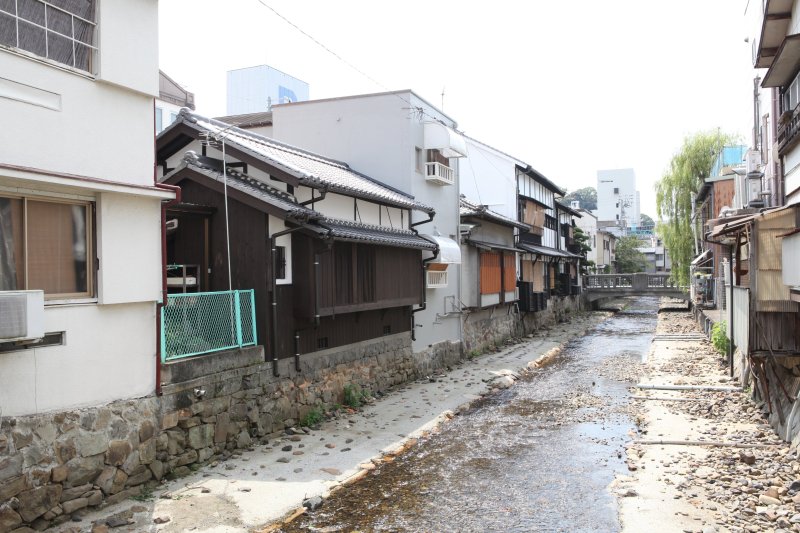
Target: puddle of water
{"type": "Point", "coordinates": [536, 457]}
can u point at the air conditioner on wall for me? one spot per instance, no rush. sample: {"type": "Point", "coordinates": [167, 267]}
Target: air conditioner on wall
{"type": "Point", "coordinates": [21, 315]}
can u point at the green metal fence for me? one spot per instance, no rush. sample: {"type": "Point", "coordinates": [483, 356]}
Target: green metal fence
{"type": "Point", "coordinates": [204, 322]}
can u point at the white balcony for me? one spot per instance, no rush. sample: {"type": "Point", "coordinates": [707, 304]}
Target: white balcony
{"type": "Point", "coordinates": [439, 174]}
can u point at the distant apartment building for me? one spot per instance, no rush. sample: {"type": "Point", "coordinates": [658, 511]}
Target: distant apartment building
{"type": "Point", "coordinates": [617, 197]}
{"type": "Point", "coordinates": [257, 89]}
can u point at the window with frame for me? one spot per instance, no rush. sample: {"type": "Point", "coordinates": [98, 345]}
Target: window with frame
{"type": "Point", "coordinates": [550, 222]}
{"type": "Point", "coordinates": [60, 30]}
{"type": "Point", "coordinates": [280, 262]}
{"type": "Point", "coordinates": [48, 245]}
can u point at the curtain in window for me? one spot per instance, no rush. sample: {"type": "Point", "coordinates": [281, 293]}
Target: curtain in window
{"type": "Point", "coordinates": [57, 258]}
{"type": "Point", "coordinates": [12, 267]}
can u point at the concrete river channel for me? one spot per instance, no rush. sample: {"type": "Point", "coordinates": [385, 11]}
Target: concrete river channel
{"type": "Point", "coordinates": [536, 457]}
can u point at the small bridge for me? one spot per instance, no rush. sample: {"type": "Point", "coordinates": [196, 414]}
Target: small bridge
{"type": "Point", "coordinates": [599, 286]}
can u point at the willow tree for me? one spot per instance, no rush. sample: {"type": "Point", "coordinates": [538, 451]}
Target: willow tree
{"type": "Point", "coordinates": [675, 193]}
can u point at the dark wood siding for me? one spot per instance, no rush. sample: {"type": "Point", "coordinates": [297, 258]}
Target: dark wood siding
{"type": "Point", "coordinates": [355, 327]}
{"type": "Point", "coordinates": [365, 291]}
{"type": "Point", "coordinates": [250, 263]}
{"type": "Point", "coordinates": [361, 277]}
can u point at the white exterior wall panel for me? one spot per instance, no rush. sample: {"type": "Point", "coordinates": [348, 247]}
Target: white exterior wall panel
{"type": "Point", "coordinates": [109, 354]}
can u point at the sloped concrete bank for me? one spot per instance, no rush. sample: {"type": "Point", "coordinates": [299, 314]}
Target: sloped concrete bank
{"type": "Point", "coordinates": [705, 458]}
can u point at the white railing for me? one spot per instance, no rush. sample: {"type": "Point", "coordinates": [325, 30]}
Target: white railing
{"type": "Point", "coordinates": [437, 279]}
{"type": "Point", "coordinates": [439, 174]}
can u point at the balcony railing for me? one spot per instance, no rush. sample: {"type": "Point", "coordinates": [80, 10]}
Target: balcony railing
{"type": "Point", "coordinates": [787, 133]}
{"type": "Point", "coordinates": [439, 174]}
{"type": "Point", "coordinates": [205, 322]}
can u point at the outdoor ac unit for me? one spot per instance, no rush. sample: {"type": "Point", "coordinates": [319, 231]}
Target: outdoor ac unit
{"type": "Point", "coordinates": [752, 161]}
{"type": "Point", "coordinates": [21, 315]}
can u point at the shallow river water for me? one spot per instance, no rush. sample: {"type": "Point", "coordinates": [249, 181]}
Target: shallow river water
{"type": "Point", "coordinates": [536, 457]}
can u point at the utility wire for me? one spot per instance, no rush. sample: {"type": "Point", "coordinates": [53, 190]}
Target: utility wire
{"type": "Point", "coordinates": [418, 109]}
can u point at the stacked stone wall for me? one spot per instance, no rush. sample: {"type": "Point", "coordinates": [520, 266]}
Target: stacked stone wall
{"type": "Point", "coordinates": [55, 465]}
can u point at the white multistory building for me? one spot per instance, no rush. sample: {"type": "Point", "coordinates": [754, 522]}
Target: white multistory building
{"type": "Point", "coordinates": [80, 216]}
{"type": "Point", "coordinates": [617, 197]}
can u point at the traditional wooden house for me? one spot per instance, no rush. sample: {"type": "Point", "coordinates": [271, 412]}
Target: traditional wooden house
{"type": "Point", "coordinates": [545, 268]}
{"type": "Point", "coordinates": [331, 254]}
{"type": "Point", "coordinates": [489, 256]}
{"type": "Point", "coordinates": [764, 313]}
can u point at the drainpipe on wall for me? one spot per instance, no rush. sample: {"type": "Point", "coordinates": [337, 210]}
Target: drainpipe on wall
{"type": "Point", "coordinates": [160, 304]}
{"type": "Point", "coordinates": [274, 322]}
{"type": "Point", "coordinates": [730, 307]}
{"type": "Point", "coordinates": [424, 264]}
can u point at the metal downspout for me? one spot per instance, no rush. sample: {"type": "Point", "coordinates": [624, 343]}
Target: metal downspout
{"type": "Point", "coordinates": [424, 264]}
{"type": "Point", "coordinates": [730, 307]}
{"type": "Point", "coordinates": [274, 321]}
{"type": "Point", "coordinates": [162, 302]}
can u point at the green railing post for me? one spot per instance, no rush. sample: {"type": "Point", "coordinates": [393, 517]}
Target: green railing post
{"type": "Point", "coordinates": [238, 306]}
{"type": "Point", "coordinates": [253, 315]}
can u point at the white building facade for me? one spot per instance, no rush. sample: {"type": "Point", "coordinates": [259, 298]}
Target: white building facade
{"type": "Point", "coordinates": [617, 197]}
{"type": "Point", "coordinates": [78, 220]}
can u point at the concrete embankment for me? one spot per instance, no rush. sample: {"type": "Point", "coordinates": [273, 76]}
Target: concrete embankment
{"type": "Point", "coordinates": [705, 458]}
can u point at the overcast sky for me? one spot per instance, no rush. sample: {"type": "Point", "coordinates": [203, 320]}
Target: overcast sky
{"type": "Point", "coordinates": [570, 87]}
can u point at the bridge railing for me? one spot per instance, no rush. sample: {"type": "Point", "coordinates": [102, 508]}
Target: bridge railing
{"type": "Point", "coordinates": [630, 282]}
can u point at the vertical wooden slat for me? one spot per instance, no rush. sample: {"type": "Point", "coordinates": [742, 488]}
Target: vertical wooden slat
{"type": "Point", "coordinates": [491, 280]}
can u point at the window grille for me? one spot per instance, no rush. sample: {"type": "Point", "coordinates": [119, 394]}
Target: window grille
{"type": "Point", "coordinates": [60, 30]}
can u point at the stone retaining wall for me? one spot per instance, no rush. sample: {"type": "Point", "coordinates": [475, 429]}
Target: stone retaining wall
{"type": "Point", "coordinates": [56, 464]}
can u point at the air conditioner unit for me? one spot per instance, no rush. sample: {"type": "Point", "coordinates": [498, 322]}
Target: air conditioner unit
{"type": "Point", "coordinates": [21, 315]}
{"type": "Point", "coordinates": [752, 161]}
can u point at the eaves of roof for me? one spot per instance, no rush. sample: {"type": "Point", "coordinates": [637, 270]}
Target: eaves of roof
{"type": "Point", "coordinates": [348, 231]}
{"type": "Point", "coordinates": [538, 176]}
{"type": "Point", "coordinates": [308, 168]}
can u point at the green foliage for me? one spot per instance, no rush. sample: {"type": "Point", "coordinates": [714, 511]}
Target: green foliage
{"type": "Point", "coordinates": [719, 337]}
{"type": "Point", "coordinates": [646, 222]}
{"type": "Point", "coordinates": [628, 258]}
{"type": "Point", "coordinates": [675, 193]}
{"type": "Point", "coordinates": [582, 240]}
{"type": "Point", "coordinates": [586, 196]}
{"type": "Point", "coordinates": [312, 418]}
{"type": "Point", "coordinates": [354, 396]}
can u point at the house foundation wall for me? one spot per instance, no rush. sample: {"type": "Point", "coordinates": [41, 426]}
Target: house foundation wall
{"type": "Point", "coordinates": [53, 465]}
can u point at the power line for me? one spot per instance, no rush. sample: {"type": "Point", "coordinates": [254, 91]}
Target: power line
{"type": "Point", "coordinates": [418, 109]}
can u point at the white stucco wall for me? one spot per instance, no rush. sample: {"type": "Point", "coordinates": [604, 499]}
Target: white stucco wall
{"type": "Point", "coordinates": [128, 44]}
{"type": "Point", "coordinates": [109, 354]}
{"type": "Point", "coordinates": [69, 123]}
{"type": "Point", "coordinates": [97, 126]}
{"type": "Point", "coordinates": [488, 177]}
{"type": "Point", "coordinates": [129, 248]}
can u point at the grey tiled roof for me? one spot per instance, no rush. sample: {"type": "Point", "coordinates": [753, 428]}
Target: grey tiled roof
{"type": "Point", "coordinates": [468, 209]}
{"type": "Point", "coordinates": [343, 230]}
{"type": "Point", "coordinates": [253, 187]}
{"type": "Point", "coordinates": [545, 250]}
{"type": "Point", "coordinates": [310, 169]}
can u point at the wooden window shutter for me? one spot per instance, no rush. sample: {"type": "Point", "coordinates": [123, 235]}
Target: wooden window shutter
{"type": "Point", "coordinates": [509, 271]}
{"type": "Point", "coordinates": [491, 281]}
